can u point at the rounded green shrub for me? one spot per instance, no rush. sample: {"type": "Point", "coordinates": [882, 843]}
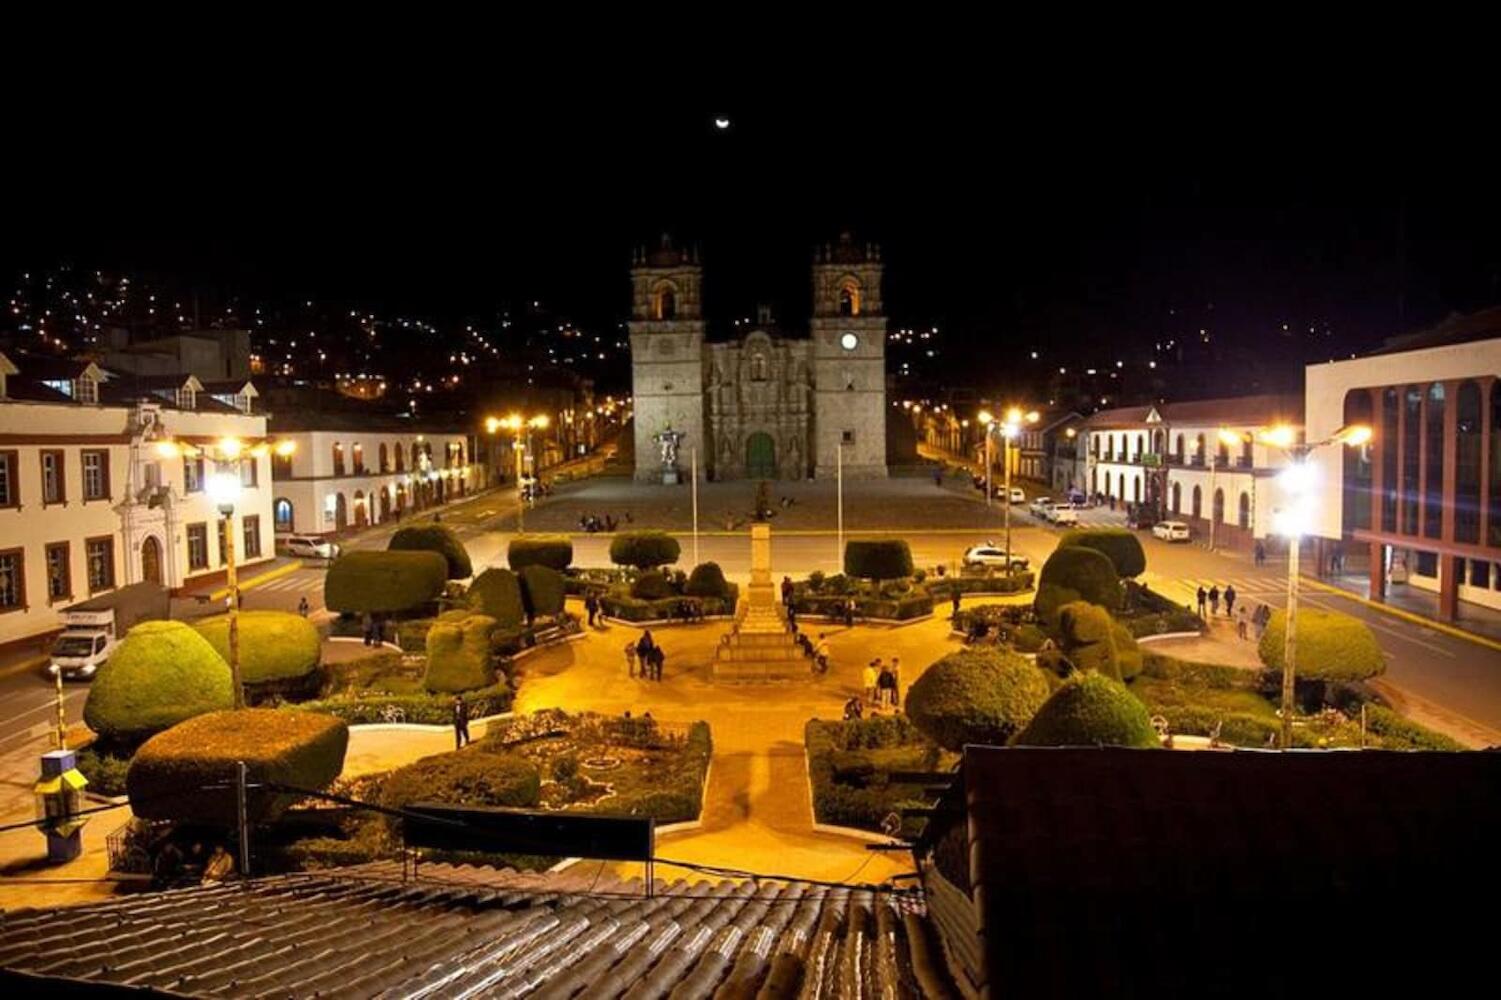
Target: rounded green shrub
{"type": "Point", "coordinates": [1029, 638]}
{"type": "Point", "coordinates": [188, 772]}
{"type": "Point", "coordinates": [1330, 646]}
{"type": "Point", "coordinates": [1089, 709]}
{"type": "Point", "coordinates": [437, 538]}
{"type": "Point", "coordinates": [1076, 573]}
{"type": "Point", "coordinates": [458, 653]}
{"type": "Point", "coordinates": [160, 674]}
{"type": "Point", "coordinates": [651, 586]}
{"type": "Point", "coordinates": [644, 549]}
{"type": "Point", "coordinates": [707, 580]}
{"type": "Point", "coordinates": [1119, 545]}
{"type": "Point", "coordinates": [878, 559]}
{"type": "Point", "coordinates": [274, 645]}
{"type": "Point", "coordinates": [469, 777]}
{"type": "Point", "coordinates": [1089, 638]}
{"type": "Point", "coordinates": [1128, 655]}
{"type": "Point", "coordinates": [497, 593]}
{"type": "Point", "coordinates": [384, 582]}
{"type": "Point", "coordinates": [552, 551]}
{"type": "Point", "coordinates": [542, 590]}
{"type": "Point", "coordinates": [976, 696]}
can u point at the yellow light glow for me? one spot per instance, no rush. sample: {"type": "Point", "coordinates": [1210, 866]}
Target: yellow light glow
{"type": "Point", "coordinates": [492, 424]}
{"type": "Point", "coordinates": [540, 421]}
{"type": "Point", "coordinates": [1357, 435]}
{"type": "Point", "coordinates": [168, 449]}
{"type": "Point", "coordinates": [1229, 436]}
{"type": "Point", "coordinates": [1033, 416]}
{"type": "Point", "coordinates": [286, 448]}
{"type": "Point", "coordinates": [230, 447]}
{"type": "Point", "coordinates": [1014, 415]}
{"type": "Point", "coordinates": [1070, 432]}
{"type": "Point", "coordinates": [984, 417]}
{"type": "Point", "coordinates": [260, 450]}
{"type": "Point", "coordinates": [1283, 436]}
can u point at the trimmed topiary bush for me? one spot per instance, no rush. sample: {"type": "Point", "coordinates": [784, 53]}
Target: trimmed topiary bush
{"type": "Point", "coordinates": [1089, 709]}
{"type": "Point", "coordinates": [706, 580]}
{"type": "Point", "coordinates": [878, 559]}
{"type": "Point", "coordinates": [162, 673]}
{"type": "Point", "coordinates": [542, 590]}
{"type": "Point", "coordinates": [469, 777]}
{"type": "Point", "coordinates": [1128, 655]}
{"type": "Point", "coordinates": [644, 549]}
{"type": "Point", "coordinates": [384, 582]}
{"type": "Point", "coordinates": [552, 551]}
{"type": "Point", "coordinates": [168, 776]}
{"type": "Point", "coordinates": [1119, 545]}
{"type": "Point", "coordinates": [1089, 638]}
{"type": "Point", "coordinates": [275, 646]}
{"type": "Point", "coordinates": [651, 586]}
{"type": "Point", "coordinates": [437, 538]}
{"type": "Point", "coordinates": [497, 593]}
{"type": "Point", "coordinates": [1029, 638]}
{"type": "Point", "coordinates": [1332, 647]}
{"type": "Point", "coordinates": [976, 696]}
{"type": "Point", "coordinates": [1076, 574]}
{"type": "Point", "coordinates": [458, 653]}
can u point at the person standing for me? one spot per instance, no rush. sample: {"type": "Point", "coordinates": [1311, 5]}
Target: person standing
{"type": "Point", "coordinates": [787, 591]}
{"type": "Point", "coordinates": [369, 625]}
{"type": "Point", "coordinates": [1240, 623]}
{"type": "Point", "coordinates": [591, 605]}
{"type": "Point", "coordinates": [630, 660]}
{"type": "Point", "coordinates": [302, 606]}
{"type": "Point", "coordinates": [1229, 600]}
{"type": "Point", "coordinates": [955, 600]}
{"type": "Point", "coordinates": [849, 613]}
{"type": "Point", "coordinates": [460, 722]}
{"type": "Point", "coordinates": [821, 654]}
{"type": "Point", "coordinates": [1203, 597]}
{"type": "Point", "coordinates": [868, 679]}
{"type": "Point", "coordinates": [791, 619]}
{"type": "Point", "coordinates": [896, 678]}
{"type": "Point", "coordinates": [886, 682]}
{"type": "Point", "coordinates": [1214, 599]}
{"type": "Point", "coordinates": [1260, 552]}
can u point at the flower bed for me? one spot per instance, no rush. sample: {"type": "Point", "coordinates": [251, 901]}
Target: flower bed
{"type": "Point", "coordinates": [942, 588]}
{"type": "Point", "coordinates": [635, 609]}
{"type": "Point", "coordinates": [849, 767]}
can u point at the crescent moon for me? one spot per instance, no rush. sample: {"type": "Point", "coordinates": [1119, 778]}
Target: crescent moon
{"type": "Point", "coordinates": [721, 123]}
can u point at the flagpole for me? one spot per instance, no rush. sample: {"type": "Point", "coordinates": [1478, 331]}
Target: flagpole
{"type": "Point", "coordinates": [694, 459]}
{"type": "Point", "coordinates": [839, 480]}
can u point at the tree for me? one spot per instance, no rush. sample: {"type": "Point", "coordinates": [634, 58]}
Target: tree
{"type": "Point", "coordinates": [384, 582]}
{"type": "Point", "coordinates": [437, 538]}
{"type": "Point", "coordinates": [1119, 545]}
{"type": "Point", "coordinates": [976, 696]}
{"type": "Point", "coordinates": [552, 551]}
{"type": "Point", "coordinates": [1076, 573]}
{"type": "Point", "coordinates": [162, 673]}
{"type": "Point", "coordinates": [1090, 709]}
{"type": "Point", "coordinates": [1089, 638]}
{"type": "Point", "coordinates": [1331, 647]}
{"type": "Point", "coordinates": [274, 645]}
{"type": "Point", "coordinates": [497, 593]}
{"type": "Point", "coordinates": [878, 559]}
{"type": "Point", "coordinates": [644, 549]}
{"type": "Point", "coordinates": [542, 590]}
{"type": "Point", "coordinates": [458, 653]}
{"type": "Point", "coordinates": [707, 580]}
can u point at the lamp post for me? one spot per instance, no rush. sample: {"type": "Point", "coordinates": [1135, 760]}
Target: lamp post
{"type": "Point", "coordinates": [516, 424]}
{"type": "Point", "coordinates": [1009, 427]}
{"type": "Point", "coordinates": [987, 421]}
{"type": "Point", "coordinates": [1298, 482]}
{"type": "Point", "coordinates": [224, 487]}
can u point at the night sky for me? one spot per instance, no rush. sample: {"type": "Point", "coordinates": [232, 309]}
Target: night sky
{"type": "Point", "coordinates": [1099, 219]}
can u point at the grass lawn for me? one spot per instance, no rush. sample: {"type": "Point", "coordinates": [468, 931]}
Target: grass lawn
{"type": "Point", "coordinates": [1156, 692]}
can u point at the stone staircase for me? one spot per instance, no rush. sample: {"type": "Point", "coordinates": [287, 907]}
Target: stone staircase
{"type": "Point", "coordinates": [759, 647]}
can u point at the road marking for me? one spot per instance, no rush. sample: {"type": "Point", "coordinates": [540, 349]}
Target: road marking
{"type": "Point", "coordinates": [1416, 619]}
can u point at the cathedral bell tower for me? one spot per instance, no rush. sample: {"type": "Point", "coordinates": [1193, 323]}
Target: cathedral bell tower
{"type": "Point", "coordinates": [849, 360]}
{"type": "Point", "coordinates": [667, 357]}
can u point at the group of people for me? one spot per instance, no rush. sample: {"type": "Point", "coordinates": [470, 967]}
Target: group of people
{"type": "Point", "coordinates": [170, 866]}
{"type": "Point", "coordinates": [1245, 620]}
{"type": "Point", "coordinates": [882, 682]}
{"type": "Point", "coordinates": [373, 630]}
{"type": "Point", "coordinates": [593, 523]}
{"type": "Point", "coordinates": [1211, 599]}
{"type": "Point", "coordinates": [645, 654]}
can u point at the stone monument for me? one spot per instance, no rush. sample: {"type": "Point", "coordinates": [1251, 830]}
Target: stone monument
{"type": "Point", "coordinates": [759, 647]}
{"type": "Point", "coordinates": [668, 442]}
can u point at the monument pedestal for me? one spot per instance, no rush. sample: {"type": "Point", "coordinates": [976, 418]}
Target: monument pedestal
{"type": "Point", "coordinates": [758, 646]}
{"type": "Point", "coordinates": [670, 477]}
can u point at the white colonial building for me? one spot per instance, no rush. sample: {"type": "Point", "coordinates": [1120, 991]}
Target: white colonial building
{"type": "Point", "coordinates": [1172, 459]}
{"type": "Point", "coordinates": [350, 470]}
{"type": "Point", "coordinates": [89, 503]}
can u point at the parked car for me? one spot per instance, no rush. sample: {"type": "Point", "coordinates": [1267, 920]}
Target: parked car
{"type": "Point", "coordinates": [1018, 495]}
{"type": "Point", "coordinates": [1140, 518]}
{"type": "Point", "coordinates": [1171, 531]}
{"type": "Point", "coordinates": [1039, 506]}
{"type": "Point", "coordinates": [991, 555]}
{"type": "Point", "coordinates": [311, 547]}
{"type": "Point", "coordinates": [1078, 499]}
{"type": "Point", "coordinates": [1062, 513]}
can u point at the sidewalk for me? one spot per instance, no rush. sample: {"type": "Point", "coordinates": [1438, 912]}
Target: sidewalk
{"type": "Point", "coordinates": [1473, 618]}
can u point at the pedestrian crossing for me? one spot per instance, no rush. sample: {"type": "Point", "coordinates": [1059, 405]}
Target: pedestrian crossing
{"type": "Point", "coordinates": [299, 582]}
{"type": "Point", "coordinates": [1244, 585]}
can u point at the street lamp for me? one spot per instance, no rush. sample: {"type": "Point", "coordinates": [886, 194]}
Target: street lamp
{"type": "Point", "coordinates": [1299, 481]}
{"type": "Point", "coordinates": [516, 423]}
{"type": "Point", "coordinates": [223, 487]}
{"type": "Point", "coordinates": [1228, 438]}
{"type": "Point", "coordinates": [1009, 428]}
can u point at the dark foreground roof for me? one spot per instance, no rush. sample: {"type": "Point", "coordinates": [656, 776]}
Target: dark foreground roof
{"type": "Point", "coordinates": [360, 932]}
{"type": "Point", "coordinates": [1146, 873]}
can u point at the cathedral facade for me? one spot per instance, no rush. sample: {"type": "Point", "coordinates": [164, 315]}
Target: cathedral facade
{"type": "Point", "coordinates": [765, 403]}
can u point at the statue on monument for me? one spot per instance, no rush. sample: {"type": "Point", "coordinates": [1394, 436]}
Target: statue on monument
{"type": "Point", "coordinates": [668, 442]}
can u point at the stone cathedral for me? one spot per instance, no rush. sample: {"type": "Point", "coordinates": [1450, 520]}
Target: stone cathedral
{"type": "Point", "coordinates": [764, 403]}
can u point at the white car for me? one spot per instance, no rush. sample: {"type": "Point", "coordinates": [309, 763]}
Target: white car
{"type": "Point", "coordinates": [1062, 513]}
{"type": "Point", "coordinates": [1017, 495]}
{"type": "Point", "coordinates": [991, 555]}
{"type": "Point", "coordinates": [309, 547]}
{"type": "Point", "coordinates": [1039, 506]}
{"type": "Point", "coordinates": [1171, 531]}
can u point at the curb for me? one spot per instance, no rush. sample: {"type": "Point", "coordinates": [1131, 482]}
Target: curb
{"type": "Point", "coordinates": [837, 831]}
{"type": "Point", "coordinates": [349, 638]}
{"type": "Point", "coordinates": [421, 727]}
{"type": "Point", "coordinates": [1168, 635]}
{"type": "Point", "coordinates": [663, 622]}
{"type": "Point", "coordinates": [25, 666]}
{"type": "Point", "coordinates": [258, 579]}
{"type": "Point", "coordinates": [1409, 616]}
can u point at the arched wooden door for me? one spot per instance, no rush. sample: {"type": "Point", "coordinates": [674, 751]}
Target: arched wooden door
{"type": "Point", "coordinates": [341, 513]}
{"type": "Point", "coordinates": [151, 560]}
{"type": "Point", "coordinates": [760, 456]}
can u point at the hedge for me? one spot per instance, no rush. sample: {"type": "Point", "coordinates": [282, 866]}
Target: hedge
{"type": "Point", "coordinates": [437, 538]}
{"type": "Point", "coordinates": [458, 654]}
{"type": "Point", "coordinates": [1089, 638]}
{"type": "Point", "coordinates": [465, 778]}
{"type": "Point", "coordinates": [1397, 733]}
{"type": "Point", "coordinates": [274, 645]}
{"type": "Point", "coordinates": [706, 580]}
{"type": "Point", "coordinates": [1162, 623]}
{"type": "Point", "coordinates": [634, 609]}
{"type": "Point", "coordinates": [1330, 646]}
{"type": "Point", "coordinates": [497, 593]}
{"type": "Point", "coordinates": [384, 582]}
{"type": "Point", "coordinates": [679, 794]}
{"type": "Point", "coordinates": [160, 674]}
{"type": "Point", "coordinates": [167, 777]}
{"type": "Point", "coordinates": [644, 549]}
{"type": "Point", "coordinates": [1194, 673]}
{"type": "Point", "coordinates": [915, 604]}
{"type": "Point", "coordinates": [105, 771]}
{"type": "Point", "coordinates": [426, 709]}
{"type": "Point", "coordinates": [942, 588]}
{"type": "Point", "coordinates": [1128, 655]}
{"type": "Point", "coordinates": [651, 586]}
{"type": "Point", "coordinates": [552, 551]}
{"type": "Point", "coordinates": [878, 559]}
{"type": "Point", "coordinates": [1119, 545]}
{"type": "Point", "coordinates": [1090, 709]}
{"type": "Point", "coordinates": [542, 591]}
{"type": "Point", "coordinates": [850, 788]}
{"type": "Point", "coordinates": [976, 696]}
{"type": "Point", "coordinates": [1076, 574]}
